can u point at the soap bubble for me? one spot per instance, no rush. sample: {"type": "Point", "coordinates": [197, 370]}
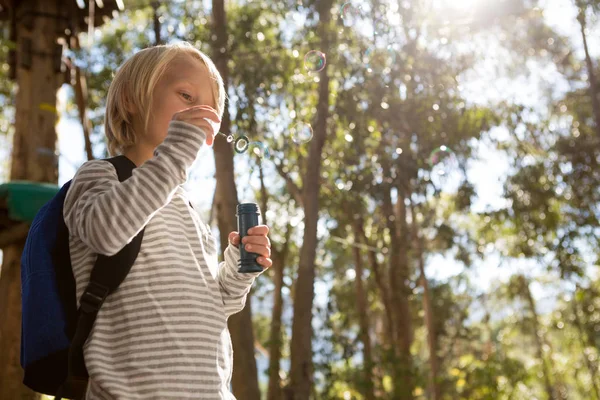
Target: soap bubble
{"type": "Point", "coordinates": [228, 137]}
{"type": "Point", "coordinates": [350, 14]}
{"type": "Point", "coordinates": [259, 149]}
{"type": "Point", "coordinates": [314, 61]}
{"type": "Point", "coordinates": [440, 155]}
{"type": "Point", "coordinates": [301, 133]}
{"type": "Point", "coordinates": [241, 144]}
{"type": "Point", "coordinates": [381, 25]}
{"type": "Point", "coordinates": [443, 164]}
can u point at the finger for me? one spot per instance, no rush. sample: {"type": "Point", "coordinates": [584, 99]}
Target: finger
{"type": "Point", "coordinates": [265, 262]}
{"type": "Point", "coordinates": [259, 230]}
{"type": "Point", "coordinates": [209, 128]}
{"type": "Point", "coordinates": [261, 240]}
{"type": "Point", "coordinates": [234, 238]}
{"type": "Point", "coordinates": [197, 112]}
{"type": "Point", "coordinates": [199, 107]}
{"type": "Point", "coordinates": [198, 120]}
{"type": "Point", "coordinates": [258, 249]}
{"type": "Point", "coordinates": [202, 121]}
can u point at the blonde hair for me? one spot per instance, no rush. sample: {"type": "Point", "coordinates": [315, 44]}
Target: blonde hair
{"type": "Point", "coordinates": [134, 83]}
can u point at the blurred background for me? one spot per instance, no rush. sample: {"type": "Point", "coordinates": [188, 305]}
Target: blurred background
{"type": "Point", "coordinates": [429, 171]}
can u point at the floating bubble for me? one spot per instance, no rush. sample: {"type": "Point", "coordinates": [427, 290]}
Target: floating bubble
{"type": "Point", "coordinates": [301, 133]}
{"type": "Point", "coordinates": [229, 137]}
{"type": "Point", "coordinates": [241, 144]}
{"type": "Point", "coordinates": [381, 26]}
{"type": "Point", "coordinates": [443, 164]}
{"type": "Point", "coordinates": [440, 154]}
{"type": "Point", "coordinates": [259, 149]}
{"type": "Point", "coordinates": [314, 61]}
{"type": "Point", "coordinates": [350, 14]}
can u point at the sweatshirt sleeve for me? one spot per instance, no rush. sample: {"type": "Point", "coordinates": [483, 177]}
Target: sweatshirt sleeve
{"type": "Point", "coordinates": [234, 286]}
{"type": "Point", "coordinates": [107, 214]}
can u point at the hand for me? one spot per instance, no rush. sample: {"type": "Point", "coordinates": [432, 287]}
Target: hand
{"type": "Point", "coordinates": [204, 117]}
{"type": "Point", "coordinates": [256, 242]}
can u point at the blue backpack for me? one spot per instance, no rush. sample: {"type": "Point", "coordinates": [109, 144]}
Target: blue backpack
{"type": "Point", "coordinates": [53, 330]}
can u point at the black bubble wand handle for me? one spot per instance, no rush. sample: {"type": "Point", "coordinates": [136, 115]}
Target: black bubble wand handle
{"type": "Point", "coordinates": [247, 217]}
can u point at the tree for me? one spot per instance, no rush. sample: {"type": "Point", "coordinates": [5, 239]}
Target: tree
{"type": "Point", "coordinates": [301, 346]}
{"type": "Point", "coordinates": [583, 7]}
{"type": "Point", "coordinates": [38, 80]}
{"type": "Point", "coordinates": [244, 380]}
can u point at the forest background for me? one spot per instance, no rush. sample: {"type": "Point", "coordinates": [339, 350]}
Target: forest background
{"type": "Point", "coordinates": [430, 173]}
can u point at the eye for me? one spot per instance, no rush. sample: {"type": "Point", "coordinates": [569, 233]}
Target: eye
{"type": "Point", "coordinates": [186, 96]}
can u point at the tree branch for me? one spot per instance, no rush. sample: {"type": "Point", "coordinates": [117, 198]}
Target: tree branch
{"type": "Point", "coordinates": [291, 185]}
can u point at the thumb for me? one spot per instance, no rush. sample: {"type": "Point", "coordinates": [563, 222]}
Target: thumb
{"type": "Point", "coordinates": [234, 238]}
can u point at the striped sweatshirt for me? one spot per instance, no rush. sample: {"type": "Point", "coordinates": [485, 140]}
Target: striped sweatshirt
{"type": "Point", "coordinates": [163, 333]}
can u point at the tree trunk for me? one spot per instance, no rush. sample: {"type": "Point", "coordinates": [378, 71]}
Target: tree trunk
{"type": "Point", "coordinates": [585, 341]}
{"type": "Point", "coordinates": [538, 340]}
{"type": "Point", "coordinates": [274, 390]}
{"type": "Point", "coordinates": [279, 259]}
{"type": "Point", "coordinates": [35, 122]}
{"type": "Point", "coordinates": [399, 275]}
{"type": "Point", "coordinates": [301, 346]}
{"type": "Point", "coordinates": [363, 315]}
{"type": "Point", "coordinates": [488, 346]}
{"type": "Point", "coordinates": [156, 21]}
{"type": "Point", "coordinates": [381, 285]}
{"type": "Point", "coordinates": [11, 374]}
{"type": "Point", "coordinates": [79, 84]}
{"type": "Point", "coordinates": [591, 72]}
{"type": "Point", "coordinates": [81, 96]}
{"type": "Point", "coordinates": [245, 376]}
{"type": "Point", "coordinates": [434, 386]}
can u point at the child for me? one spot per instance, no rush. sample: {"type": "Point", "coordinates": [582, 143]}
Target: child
{"type": "Point", "coordinates": [163, 334]}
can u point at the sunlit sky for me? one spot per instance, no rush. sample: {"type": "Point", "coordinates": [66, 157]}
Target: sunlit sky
{"type": "Point", "coordinates": [487, 173]}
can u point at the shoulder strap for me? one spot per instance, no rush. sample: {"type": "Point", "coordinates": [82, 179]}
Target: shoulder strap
{"type": "Point", "coordinates": [123, 165]}
{"type": "Point", "coordinates": [108, 272]}
{"type": "Point", "coordinates": [106, 276]}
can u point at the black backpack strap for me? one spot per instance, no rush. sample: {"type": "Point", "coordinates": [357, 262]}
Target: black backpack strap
{"type": "Point", "coordinates": [106, 276]}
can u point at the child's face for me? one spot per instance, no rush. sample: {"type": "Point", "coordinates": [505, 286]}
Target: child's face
{"type": "Point", "coordinates": [185, 83]}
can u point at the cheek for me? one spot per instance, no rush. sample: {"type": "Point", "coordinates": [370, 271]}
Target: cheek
{"type": "Point", "coordinates": [163, 108]}
{"type": "Point", "coordinates": [162, 113]}
{"type": "Point", "coordinates": [158, 125]}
